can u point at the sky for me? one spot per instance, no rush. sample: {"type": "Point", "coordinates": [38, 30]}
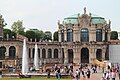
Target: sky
{"type": "Point", "coordinates": [44, 14]}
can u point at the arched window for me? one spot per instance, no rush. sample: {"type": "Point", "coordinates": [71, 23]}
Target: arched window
{"type": "Point", "coordinates": [84, 35]}
{"type": "Point", "coordinates": [43, 53]}
{"type": "Point", "coordinates": [49, 53]}
{"type": "Point", "coordinates": [99, 54]}
{"type": "Point", "coordinates": [55, 53]}
{"type": "Point", "coordinates": [62, 35]}
{"type": "Point", "coordinates": [29, 53]}
{"type": "Point", "coordinates": [12, 51]}
{"type": "Point", "coordinates": [2, 52]}
{"type": "Point", "coordinates": [99, 35]}
{"type": "Point", "coordinates": [38, 52]}
{"type": "Point", "coordinates": [69, 35]}
{"type": "Point", "coordinates": [33, 52]}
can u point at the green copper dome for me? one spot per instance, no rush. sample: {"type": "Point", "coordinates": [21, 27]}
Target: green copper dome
{"type": "Point", "coordinates": [74, 18]}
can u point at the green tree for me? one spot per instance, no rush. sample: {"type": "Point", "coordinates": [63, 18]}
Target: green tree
{"type": "Point", "coordinates": [30, 35]}
{"type": "Point", "coordinates": [10, 34]}
{"type": "Point", "coordinates": [17, 27]}
{"type": "Point", "coordinates": [48, 36]}
{"type": "Point", "coordinates": [55, 36]}
{"type": "Point", "coordinates": [6, 32]}
{"type": "Point", "coordinates": [113, 35]}
{"type": "Point", "coordinates": [39, 34]}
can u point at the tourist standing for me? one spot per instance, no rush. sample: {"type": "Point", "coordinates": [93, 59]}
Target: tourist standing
{"type": "Point", "coordinates": [83, 73]}
{"type": "Point", "coordinates": [76, 74]}
{"type": "Point", "coordinates": [108, 75]}
{"type": "Point", "coordinates": [88, 73]}
{"type": "Point", "coordinates": [113, 75]}
{"type": "Point", "coordinates": [48, 72]}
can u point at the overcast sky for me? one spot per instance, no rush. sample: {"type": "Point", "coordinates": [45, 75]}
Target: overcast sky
{"type": "Point", "coordinates": [44, 14]}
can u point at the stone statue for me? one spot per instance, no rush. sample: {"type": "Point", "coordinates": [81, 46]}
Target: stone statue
{"type": "Point", "coordinates": [109, 22]}
{"type": "Point", "coordinates": [84, 10]}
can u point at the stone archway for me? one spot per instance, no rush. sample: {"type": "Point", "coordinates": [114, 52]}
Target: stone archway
{"type": "Point", "coordinates": [84, 55]}
{"type": "Point", "coordinates": [70, 56]}
{"type": "Point", "coordinates": [99, 54]}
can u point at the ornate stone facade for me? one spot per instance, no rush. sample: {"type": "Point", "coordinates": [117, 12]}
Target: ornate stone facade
{"type": "Point", "coordinates": [82, 39]}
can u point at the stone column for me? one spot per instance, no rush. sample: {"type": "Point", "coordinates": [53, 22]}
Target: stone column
{"type": "Point", "coordinates": [17, 50]}
{"type": "Point", "coordinates": [59, 53]}
{"type": "Point", "coordinates": [7, 52]}
{"type": "Point", "coordinates": [103, 54]}
{"type": "Point", "coordinates": [41, 53]}
{"type": "Point", "coordinates": [66, 55]}
{"type": "Point", "coordinates": [52, 53]}
{"type": "Point", "coordinates": [59, 35]}
{"type": "Point", "coordinates": [65, 35]}
{"type": "Point", "coordinates": [90, 55]}
{"type": "Point", "coordinates": [76, 35]}
{"type": "Point", "coordinates": [76, 52]}
{"type": "Point", "coordinates": [32, 53]}
{"type": "Point", "coordinates": [92, 35]}
{"type": "Point", "coordinates": [108, 35]}
{"type": "Point", "coordinates": [103, 35]}
{"type": "Point", "coordinates": [46, 53]}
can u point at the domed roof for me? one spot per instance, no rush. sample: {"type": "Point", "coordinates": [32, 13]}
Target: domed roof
{"type": "Point", "coordinates": [74, 18]}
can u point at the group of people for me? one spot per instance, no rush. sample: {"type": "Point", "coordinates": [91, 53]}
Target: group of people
{"type": "Point", "coordinates": [83, 70]}
{"type": "Point", "coordinates": [111, 73]}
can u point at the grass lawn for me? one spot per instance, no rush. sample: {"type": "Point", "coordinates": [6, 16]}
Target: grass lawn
{"type": "Point", "coordinates": [32, 79]}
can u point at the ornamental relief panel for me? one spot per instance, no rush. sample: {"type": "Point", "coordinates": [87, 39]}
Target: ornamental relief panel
{"type": "Point", "coordinates": [84, 20]}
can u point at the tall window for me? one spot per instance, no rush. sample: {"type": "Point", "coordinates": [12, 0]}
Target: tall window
{"type": "Point", "coordinates": [69, 35]}
{"type": "Point", "coordinates": [43, 53]}
{"type": "Point", "coordinates": [38, 52]}
{"type": "Point", "coordinates": [2, 52]}
{"type": "Point", "coordinates": [49, 53]}
{"type": "Point", "coordinates": [12, 51]}
{"type": "Point", "coordinates": [84, 35]}
{"type": "Point", "coordinates": [62, 35]}
{"type": "Point", "coordinates": [99, 35]}
{"type": "Point", "coordinates": [33, 52]}
{"type": "Point", "coordinates": [55, 53]}
{"type": "Point", "coordinates": [29, 53]}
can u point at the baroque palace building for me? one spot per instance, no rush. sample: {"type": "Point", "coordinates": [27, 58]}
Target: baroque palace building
{"type": "Point", "coordinates": [82, 39]}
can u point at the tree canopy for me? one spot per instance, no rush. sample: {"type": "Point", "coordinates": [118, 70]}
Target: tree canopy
{"type": "Point", "coordinates": [48, 36]}
{"type": "Point", "coordinates": [55, 36]}
{"type": "Point", "coordinates": [18, 28]}
{"type": "Point", "coordinates": [30, 35]}
{"type": "Point", "coordinates": [7, 33]}
{"type": "Point", "coordinates": [113, 35]}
